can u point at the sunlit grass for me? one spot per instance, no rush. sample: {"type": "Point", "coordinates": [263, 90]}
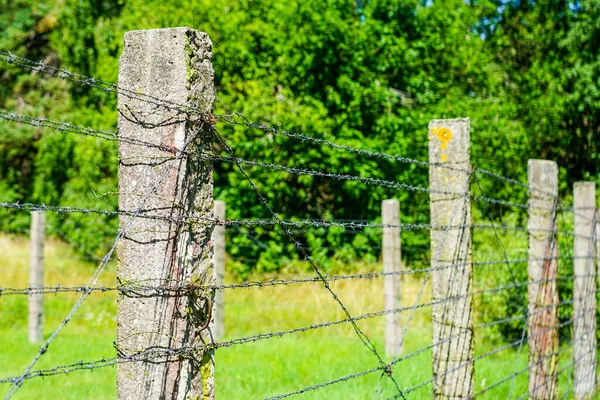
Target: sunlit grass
{"type": "Point", "coordinates": [254, 370]}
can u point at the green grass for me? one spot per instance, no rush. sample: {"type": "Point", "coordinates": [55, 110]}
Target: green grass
{"type": "Point", "coordinates": [253, 370]}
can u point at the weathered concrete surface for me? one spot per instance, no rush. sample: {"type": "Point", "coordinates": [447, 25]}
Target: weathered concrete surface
{"type": "Point", "coordinates": [542, 270]}
{"type": "Point", "coordinates": [449, 144]}
{"type": "Point", "coordinates": [392, 259]}
{"type": "Point", "coordinates": [584, 291]}
{"type": "Point", "coordinates": [170, 65]}
{"type": "Point", "coordinates": [219, 242]}
{"type": "Point", "coordinates": [36, 276]}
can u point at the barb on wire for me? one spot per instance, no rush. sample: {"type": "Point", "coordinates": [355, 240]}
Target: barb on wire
{"type": "Point", "coordinates": [147, 213]}
{"type": "Point", "coordinates": [188, 112]}
{"type": "Point", "coordinates": [178, 288]}
{"type": "Point", "coordinates": [94, 279]}
{"type": "Point", "coordinates": [81, 130]}
{"type": "Point", "coordinates": [491, 353]}
{"type": "Point", "coordinates": [150, 353]}
{"type": "Point", "coordinates": [363, 337]}
{"type": "Point", "coordinates": [365, 180]}
{"type": "Point", "coordinates": [324, 384]}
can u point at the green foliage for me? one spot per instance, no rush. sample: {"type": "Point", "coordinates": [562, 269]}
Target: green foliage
{"type": "Point", "coordinates": [370, 76]}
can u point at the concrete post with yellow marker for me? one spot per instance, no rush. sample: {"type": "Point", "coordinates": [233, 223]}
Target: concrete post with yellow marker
{"type": "Point", "coordinates": [451, 247]}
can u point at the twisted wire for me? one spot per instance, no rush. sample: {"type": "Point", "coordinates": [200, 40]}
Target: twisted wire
{"type": "Point", "coordinates": [93, 280]}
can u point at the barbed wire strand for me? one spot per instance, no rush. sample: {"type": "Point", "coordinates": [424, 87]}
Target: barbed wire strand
{"type": "Point", "coordinates": [146, 213]}
{"type": "Point", "coordinates": [526, 369]}
{"type": "Point", "coordinates": [80, 130]}
{"type": "Point", "coordinates": [363, 337]}
{"type": "Point", "coordinates": [560, 371]}
{"type": "Point", "coordinates": [175, 286]}
{"type": "Point", "coordinates": [187, 110]}
{"type": "Point", "coordinates": [94, 279]}
{"type": "Point", "coordinates": [106, 362]}
{"type": "Point", "coordinates": [487, 354]}
{"type": "Point", "coordinates": [230, 118]}
{"type": "Point", "coordinates": [509, 268]}
{"type": "Point", "coordinates": [435, 259]}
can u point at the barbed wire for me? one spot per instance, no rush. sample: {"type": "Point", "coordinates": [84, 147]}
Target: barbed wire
{"type": "Point", "coordinates": [65, 127]}
{"type": "Point", "coordinates": [363, 337]}
{"type": "Point", "coordinates": [369, 181]}
{"type": "Point", "coordinates": [560, 371]}
{"type": "Point", "coordinates": [80, 130]}
{"type": "Point", "coordinates": [511, 273]}
{"type": "Point", "coordinates": [435, 259]}
{"type": "Point", "coordinates": [262, 222]}
{"type": "Point", "coordinates": [93, 280]}
{"type": "Point", "coordinates": [187, 111]}
{"type": "Point", "coordinates": [411, 355]}
{"type": "Point", "coordinates": [324, 384]}
{"type": "Point", "coordinates": [526, 369]}
{"type": "Point", "coordinates": [150, 353]}
{"type": "Point", "coordinates": [230, 118]}
{"type": "Point", "coordinates": [490, 353]}
{"type": "Point", "coordinates": [181, 287]}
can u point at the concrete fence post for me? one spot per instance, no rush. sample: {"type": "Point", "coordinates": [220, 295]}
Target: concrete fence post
{"type": "Point", "coordinates": [543, 270]}
{"type": "Point", "coordinates": [584, 291]}
{"type": "Point", "coordinates": [449, 177]}
{"type": "Point", "coordinates": [36, 276]}
{"type": "Point", "coordinates": [390, 212]}
{"type": "Point", "coordinates": [219, 242]}
{"type": "Point", "coordinates": [165, 331]}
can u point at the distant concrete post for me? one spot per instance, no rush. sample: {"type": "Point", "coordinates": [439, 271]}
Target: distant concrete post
{"type": "Point", "coordinates": [390, 211]}
{"type": "Point", "coordinates": [171, 65]}
{"type": "Point", "coordinates": [36, 276]}
{"type": "Point", "coordinates": [219, 242]}
{"type": "Point", "coordinates": [543, 289]}
{"type": "Point", "coordinates": [449, 177]}
{"type": "Point", "coordinates": [584, 291]}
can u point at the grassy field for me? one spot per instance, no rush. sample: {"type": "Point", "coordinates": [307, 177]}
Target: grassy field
{"type": "Point", "coordinates": [255, 370]}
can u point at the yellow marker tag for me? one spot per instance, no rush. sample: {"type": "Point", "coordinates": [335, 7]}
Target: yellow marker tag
{"type": "Point", "coordinates": [444, 135]}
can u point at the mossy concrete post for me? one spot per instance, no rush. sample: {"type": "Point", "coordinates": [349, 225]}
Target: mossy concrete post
{"type": "Point", "coordinates": [449, 177]}
{"type": "Point", "coordinates": [542, 270]}
{"type": "Point", "coordinates": [390, 213]}
{"type": "Point", "coordinates": [219, 242]}
{"type": "Point", "coordinates": [36, 276]}
{"type": "Point", "coordinates": [164, 333]}
{"type": "Point", "coordinates": [584, 291]}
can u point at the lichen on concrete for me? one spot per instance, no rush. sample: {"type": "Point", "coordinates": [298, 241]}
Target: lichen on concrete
{"type": "Point", "coordinates": [172, 65]}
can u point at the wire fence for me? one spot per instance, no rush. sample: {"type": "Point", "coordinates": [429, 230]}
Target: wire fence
{"type": "Point", "coordinates": [472, 321]}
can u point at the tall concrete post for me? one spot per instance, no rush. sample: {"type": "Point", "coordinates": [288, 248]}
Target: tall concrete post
{"type": "Point", "coordinates": [449, 177]}
{"type": "Point", "coordinates": [219, 242]}
{"type": "Point", "coordinates": [584, 291]}
{"type": "Point", "coordinates": [172, 65]}
{"type": "Point", "coordinates": [542, 270]}
{"type": "Point", "coordinates": [390, 212]}
{"type": "Point", "coordinates": [36, 276]}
